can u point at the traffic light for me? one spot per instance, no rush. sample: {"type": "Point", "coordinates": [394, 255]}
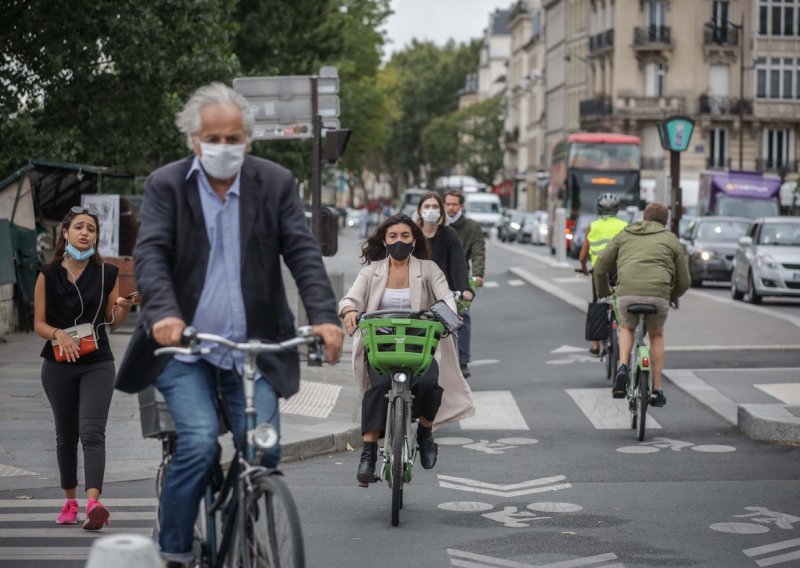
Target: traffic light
{"type": "Point", "coordinates": [335, 144]}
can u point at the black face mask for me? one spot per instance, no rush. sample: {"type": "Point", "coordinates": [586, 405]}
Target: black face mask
{"type": "Point", "coordinates": [400, 250]}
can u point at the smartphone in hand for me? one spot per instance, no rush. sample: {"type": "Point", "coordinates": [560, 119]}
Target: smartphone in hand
{"type": "Point", "coordinates": [132, 295]}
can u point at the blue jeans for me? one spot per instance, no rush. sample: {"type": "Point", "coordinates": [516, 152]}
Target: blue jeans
{"type": "Point", "coordinates": [190, 391]}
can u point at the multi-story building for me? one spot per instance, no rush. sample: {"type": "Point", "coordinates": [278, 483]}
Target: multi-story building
{"type": "Point", "coordinates": [494, 55]}
{"type": "Point", "coordinates": [733, 65]}
{"type": "Point", "coordinates": [515, 138]}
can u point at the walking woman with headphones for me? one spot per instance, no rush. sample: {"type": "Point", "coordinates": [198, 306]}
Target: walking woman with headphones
{"type": "Point", "coordinates": [76, 299]}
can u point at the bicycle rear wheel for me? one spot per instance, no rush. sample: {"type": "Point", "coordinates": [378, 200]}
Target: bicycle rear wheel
{"type": "Point", "coordinates": [398, 443]}
{"type": "Point", "coordinates": [611, 355]}
{"type": "Point", "coordinates": [272, 534]}
{"type": "Point", "coordinates": [642, 399]}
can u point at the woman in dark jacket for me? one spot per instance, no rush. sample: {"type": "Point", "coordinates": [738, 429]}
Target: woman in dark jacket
{"type": "Point", "coordinates": [446, 249]}
{"type": "Point", "coordinates": [77, 289]}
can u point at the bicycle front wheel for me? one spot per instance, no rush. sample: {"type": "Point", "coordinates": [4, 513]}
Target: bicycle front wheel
{"type": "Point", "coordinates": [272, 534]}
{"type": "Point", "coordinates": [643, 398]}
{"type": "Point", "coordinates": [398, 443]}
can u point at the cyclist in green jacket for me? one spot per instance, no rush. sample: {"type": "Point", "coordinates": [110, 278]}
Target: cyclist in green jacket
{"type": "Point", "coordinates": [651, 269]}
{"type": "Point", "coordinates": [598, 236]}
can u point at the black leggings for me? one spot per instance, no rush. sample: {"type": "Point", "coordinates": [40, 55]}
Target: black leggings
{"type": "Point", "coordinates": [375, 405]}
{"type": "Point", "coordinates": [80, 396]}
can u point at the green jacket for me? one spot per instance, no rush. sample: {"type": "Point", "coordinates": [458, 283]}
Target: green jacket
{"type": "Point", "coordinates": [650, 262]}
{"type": "Point", "coordinates": [471, 237]}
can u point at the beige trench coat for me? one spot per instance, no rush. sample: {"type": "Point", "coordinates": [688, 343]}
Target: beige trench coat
{"type": "Point", "coordinates": [428, 284]}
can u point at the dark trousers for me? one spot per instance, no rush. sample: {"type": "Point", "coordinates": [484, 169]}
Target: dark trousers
{"type": "Point", "coordinates": [80, 396]}
{"type": "Point", "coordinates": [374, 405]}
{"type": "Point", "coordinates": [464, 336]}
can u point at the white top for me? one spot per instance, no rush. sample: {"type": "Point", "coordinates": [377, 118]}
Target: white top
{"type": "Point", "coordinates": [396, 299]}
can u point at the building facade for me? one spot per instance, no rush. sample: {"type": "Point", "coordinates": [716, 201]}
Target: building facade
{"type": "Point", "coordinates": [495, 51]}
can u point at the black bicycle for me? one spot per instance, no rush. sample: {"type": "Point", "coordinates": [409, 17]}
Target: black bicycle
{"type": "Point", "coordinates": [248, 517]}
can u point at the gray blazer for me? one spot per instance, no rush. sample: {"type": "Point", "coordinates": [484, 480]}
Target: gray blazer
{"type": "Point", "coordinates": [171, 258]}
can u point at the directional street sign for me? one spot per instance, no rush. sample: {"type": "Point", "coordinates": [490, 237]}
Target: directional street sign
{"type": "Point", "coordinates": [291, 131]}
{"type": "Point", "coordinates": [284, 87]}
{"type": "Point", "coordinates": [272, 109]}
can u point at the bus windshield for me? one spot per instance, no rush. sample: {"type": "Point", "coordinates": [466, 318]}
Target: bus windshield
{"type": "Point", "coordinates": [604, 157]}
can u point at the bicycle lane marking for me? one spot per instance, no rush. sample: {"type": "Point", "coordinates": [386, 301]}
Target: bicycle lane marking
{"type": "Point", "coordinates": [762, 521]}
{"type": "Point", "coordinates": [605, 412]}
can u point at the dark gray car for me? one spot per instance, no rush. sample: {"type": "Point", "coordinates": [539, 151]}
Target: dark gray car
{"type": "Point", "coordinates": [710, 243]}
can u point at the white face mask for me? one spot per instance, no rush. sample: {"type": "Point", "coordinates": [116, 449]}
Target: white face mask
{"type": "Point", "coordinates": [222, 161]}
{"type": "Point", "coordinates": [456, 217]}
{"type": "Point", "coordinates": [430, 215]}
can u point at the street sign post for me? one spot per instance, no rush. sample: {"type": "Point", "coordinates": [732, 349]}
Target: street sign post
{"type": "Point", "coordinates": [675, 133]}
{"type": "Point", "coordinates": [300, 107]}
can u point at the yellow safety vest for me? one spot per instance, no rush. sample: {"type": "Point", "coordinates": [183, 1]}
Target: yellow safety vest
{"type": "Point", "coordinates": [601, 231]}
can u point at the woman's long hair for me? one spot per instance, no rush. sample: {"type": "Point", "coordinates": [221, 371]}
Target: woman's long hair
{"type": "Point", "coordinates": [373, 248]}
{"type": "Point", "coordinates": [431, 195]}
{"type": "Point", "coordinates": [61, 243]}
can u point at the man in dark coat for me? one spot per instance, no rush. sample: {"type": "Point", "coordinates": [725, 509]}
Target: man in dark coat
{"type": "Point", "coordinates": [214, 228]}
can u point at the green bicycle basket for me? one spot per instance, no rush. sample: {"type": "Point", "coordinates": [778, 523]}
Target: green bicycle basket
{"type": "Point", "coordinates": [393, 342]}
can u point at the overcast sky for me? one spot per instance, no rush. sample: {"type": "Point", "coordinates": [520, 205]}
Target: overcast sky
{"type": "Point", "coordinates": [438, 20]}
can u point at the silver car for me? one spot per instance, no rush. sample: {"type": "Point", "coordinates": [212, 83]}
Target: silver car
{"type": "Point", "coordinates": [767, 260]}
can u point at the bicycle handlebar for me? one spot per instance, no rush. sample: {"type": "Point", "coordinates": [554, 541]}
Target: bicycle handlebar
{"type": "Point", "coordinates": [192, 339]}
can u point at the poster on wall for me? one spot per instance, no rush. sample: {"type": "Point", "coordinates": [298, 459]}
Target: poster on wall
{"type": "Point", "coordinates": [107, 207]}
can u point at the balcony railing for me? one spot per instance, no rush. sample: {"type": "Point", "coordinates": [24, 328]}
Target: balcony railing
{"type": "Point", "coordinates": [724, 36]}
{"type": "Point", "coordinates": [724, 105]}
{"type": "Point", "coordinates": [650, 106]}
{"type": "Point", "coordinates": [652, 162]}
{"type": "Point", "coordinates": [598, 106]}
{"type": "Point", "coordinates": [786, 166]}
{"type": "Point", "coordinates": [601, 41]}
{"type": "Point", "coordinates": [718, 163]}
{"type": "Point", "coordinates": [651, 36]}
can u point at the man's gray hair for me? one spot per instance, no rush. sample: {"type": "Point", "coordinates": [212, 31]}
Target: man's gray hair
{"type": "Point", "coordinates": [188, 119]}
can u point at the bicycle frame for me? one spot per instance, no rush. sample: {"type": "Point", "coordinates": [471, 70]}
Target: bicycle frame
{"type": "Point", "coordinates": [400, 390]}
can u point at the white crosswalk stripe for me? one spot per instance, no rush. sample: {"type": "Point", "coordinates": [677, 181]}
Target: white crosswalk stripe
{"type": "Point", "coordinates": [605, 412]}
{"type": "Point", "coordinates": [775, 553]}
{"type": "Point", "coordinates": [28, 530]}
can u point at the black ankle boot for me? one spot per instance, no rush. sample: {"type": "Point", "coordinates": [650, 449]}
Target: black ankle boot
{"type": "Point", "coordinates": [366, 469]}
{"type": "Point", "coordinates": [428, 450]}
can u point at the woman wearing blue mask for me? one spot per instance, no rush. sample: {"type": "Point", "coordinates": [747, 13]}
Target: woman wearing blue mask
{"type": "Point", "coordinates": [398, 275]}
{"type": "Point", "coordinates": [78, 295]}
{"type": "Point", "coordinates": [446, 249]}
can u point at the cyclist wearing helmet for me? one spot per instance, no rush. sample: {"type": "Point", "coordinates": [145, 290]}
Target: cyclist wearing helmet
{"type": "Point", "coordinates": [598, 236]}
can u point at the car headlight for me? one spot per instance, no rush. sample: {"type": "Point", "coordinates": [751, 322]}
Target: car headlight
{"type": "Point", "coordinates": [705, 255]}
{"type": "Point", "coordinates": [514, 226]}
{"type": "Point", "coordinates": [764, 260]}
{"type": "Point", "coordinates": [543, 230]}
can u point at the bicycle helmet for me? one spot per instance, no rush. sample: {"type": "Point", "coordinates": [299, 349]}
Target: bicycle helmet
{"type": "Point", "coordinates": [607, 204]}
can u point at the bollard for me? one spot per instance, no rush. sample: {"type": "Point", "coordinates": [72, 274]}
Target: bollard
{"type": "Point", "coordinates": [559, 229]}
{"type": "Point", "coordinates": [124, 551]}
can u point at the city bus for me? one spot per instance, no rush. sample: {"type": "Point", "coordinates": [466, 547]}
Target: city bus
{"type": "Point", "coordinates": [586, 165]}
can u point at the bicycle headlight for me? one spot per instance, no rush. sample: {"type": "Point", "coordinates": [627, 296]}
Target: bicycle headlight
{"type": "Point", "coordinates": [401, 377]}
{"type": "Point", "coordinates": [264, 436]}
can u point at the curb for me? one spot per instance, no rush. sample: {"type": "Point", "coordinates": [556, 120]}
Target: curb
{"type": "Point", "coordinates": [312, 447]}
{"type": "Point", "coordinates": [770, 422]}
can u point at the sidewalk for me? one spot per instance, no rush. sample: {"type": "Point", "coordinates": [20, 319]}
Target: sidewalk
{"type": "Point", "coordinates": [712, 329]}
{"type": "Point", "coordinates": [323, 417]}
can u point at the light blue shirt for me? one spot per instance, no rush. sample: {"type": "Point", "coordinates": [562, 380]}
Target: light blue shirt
{"type": "Point", "coordinates": [221, 306]}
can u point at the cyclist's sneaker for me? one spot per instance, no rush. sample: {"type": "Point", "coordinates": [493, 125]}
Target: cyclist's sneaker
{"type": "Point", "coordinates": [96, 516]}
{"type": "Point", "coordinates": [465, 371]}
{"type": "Point", "coordinates": [620, 382]}
{"type": "Point", "coordinates": [428, 450]}
{"type": "Point", "coordinates": [658, 399]}
{"type": "Point", "coordinates": [69, 513]}
{"type": "Point", "coordinates": [366, 468]}
{"type": "Point", "coordinates": [594, 351]}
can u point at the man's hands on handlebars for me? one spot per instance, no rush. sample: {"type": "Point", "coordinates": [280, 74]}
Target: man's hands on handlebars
{"type": "Point", "coordinates": [168, 331]}
{"type": "Point", "coordinates": [333, 336]}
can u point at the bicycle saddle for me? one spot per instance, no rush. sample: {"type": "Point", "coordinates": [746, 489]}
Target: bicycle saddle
{"type": "Point", "coordinates": [643, 309]}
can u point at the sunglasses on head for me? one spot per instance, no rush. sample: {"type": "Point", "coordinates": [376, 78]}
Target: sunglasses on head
{"type": "Point", "coordinates": [77, 210]}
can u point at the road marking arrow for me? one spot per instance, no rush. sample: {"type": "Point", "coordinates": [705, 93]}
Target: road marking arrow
{"type": "Point", "coordinates": [472, 560]}
{"type": "Point", "coordinates": [504, 490]}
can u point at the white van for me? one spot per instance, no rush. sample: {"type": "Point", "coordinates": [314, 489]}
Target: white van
{"type": "Point", "coordinates": [483, 208]}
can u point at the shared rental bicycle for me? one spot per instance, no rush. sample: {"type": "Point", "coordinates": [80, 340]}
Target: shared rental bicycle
{"type": "Point", "coordinates": [248, 517]}
{"type": "Point", "coordinates": [609, 347]}
{"type": "Point", "coordinates": [640, 383]}
{"type": "Point", "coordinates": [402, 343]}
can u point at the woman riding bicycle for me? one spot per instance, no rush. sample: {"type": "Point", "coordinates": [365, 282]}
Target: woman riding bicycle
{"type": "Point", "coordinates": [399, 276]}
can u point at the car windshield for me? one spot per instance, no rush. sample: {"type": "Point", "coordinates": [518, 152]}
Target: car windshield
{"type": "Point", "coordinates": [721, 230]}
{"type": "Point", "coordinates": [780, 234]}
{"type": "Point", "coordinates": [482, 207]}
{"type": "Point", "coordinates": [744, 207]}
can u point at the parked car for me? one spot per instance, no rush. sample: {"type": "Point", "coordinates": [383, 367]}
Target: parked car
{"type": "Point", "coordinates": [534, 228]}
{"type": "Point", "coordinates": [484, 208]}
{"type": "Point", "coordinates": [510, 227]}
{"type": "Point", "coordinates": [409, 201]}
{"type": "Point", "coordinates": [767, 260]}
{"type": "Point", "coordinates": [710, 243]}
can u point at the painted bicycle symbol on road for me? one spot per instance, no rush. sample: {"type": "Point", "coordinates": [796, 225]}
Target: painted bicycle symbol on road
{"type": "Point", "coordinates": [658, 444]}
{"type": "Point", "coordinates": [760, 518]}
